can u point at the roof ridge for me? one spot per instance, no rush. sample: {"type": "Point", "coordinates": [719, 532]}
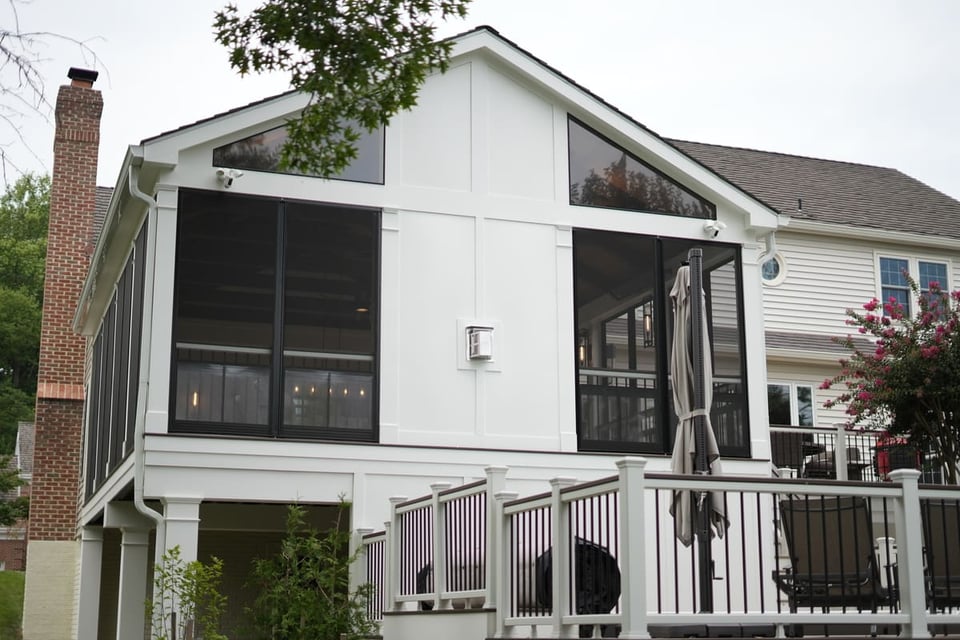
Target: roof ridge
{"type": "Point", "coordinates": [785, 154]}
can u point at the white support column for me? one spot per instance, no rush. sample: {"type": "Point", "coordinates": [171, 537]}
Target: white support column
{"type": "Point", "coordinates": [496, 480]}
{"type": "Point", "coordinates": [182, 518]}
{"type": "Point", "coordinates": [91, 559]}
{"type": "Point", "coordinates": [133, 582]}
{"type": "Point", "coordinates": [562, 572]}
{"type": "Point", "coordinates": [633, 535]}
{"type": "Point", "coordinates": [391, 560]}
{"type": "Point", "coordinates": [910, 554]}
{"type": "Point", "coordinates": [840, 453]}
{"type": "Point", "coordinates": [439, 547]}
{"type": "Point", "coordinates": [502, 574]}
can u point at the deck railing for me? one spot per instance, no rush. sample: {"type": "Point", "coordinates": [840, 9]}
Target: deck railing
{"type": "Point", "coordinates": [843, 453]}
{"type": "Point", "coordinates": [603, 556]}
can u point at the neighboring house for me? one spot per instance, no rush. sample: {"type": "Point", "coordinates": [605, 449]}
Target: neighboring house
{"type": "Point", "coordinates": [854, 230]}
{"type": "Point", "coordinates": [13, 539]}
{"type": "Point", "coordinates": [487, 284]}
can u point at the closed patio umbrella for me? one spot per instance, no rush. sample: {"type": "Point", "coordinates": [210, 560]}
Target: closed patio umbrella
{"type": "Point", "coordinates": [695, 448]}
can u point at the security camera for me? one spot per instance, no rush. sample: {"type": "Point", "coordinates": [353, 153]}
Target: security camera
{"type": "Point", "coordinates": [227, 176]}
{"type": "Point", "coordinates": [713, 227]}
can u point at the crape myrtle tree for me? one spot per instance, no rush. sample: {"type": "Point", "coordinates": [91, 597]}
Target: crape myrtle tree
{"type": "Point", "coordinates": [906, 378]}
{"type": "Point", "coordinates": [360, 61]}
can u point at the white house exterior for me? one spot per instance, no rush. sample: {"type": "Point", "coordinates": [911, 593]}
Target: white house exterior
{"type": "Point", "coordinates": [259, 339]}
{"type": "Point", "coordinates": [464, 214]}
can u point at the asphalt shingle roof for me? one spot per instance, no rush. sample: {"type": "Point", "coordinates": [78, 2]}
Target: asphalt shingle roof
{"type": "Point", "coordinates": [832, 192]}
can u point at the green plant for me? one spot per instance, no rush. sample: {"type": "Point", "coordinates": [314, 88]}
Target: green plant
{"type": "Point", "coordinates": [187, 603]}
{"type": "Point", "coordinates": [361, 62]}
{"type": "Point", "coordinates": [304, 590]}
{"type": "Point", "coordinates": [906, 378]}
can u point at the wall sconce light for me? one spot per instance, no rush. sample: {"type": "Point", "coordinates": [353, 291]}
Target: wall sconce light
{"type": "Point", "coordinates": [648, 325]}
{"type": "Point", "coordinates": [479, 342]}
{"type": "Point", "coordinates": [582, 348]}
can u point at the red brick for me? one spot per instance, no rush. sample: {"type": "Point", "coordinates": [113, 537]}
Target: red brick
{"type": "Point", "coordinates": [56, 489]}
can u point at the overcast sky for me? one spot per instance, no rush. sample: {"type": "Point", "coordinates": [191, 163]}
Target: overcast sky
{"type": "Point", "coordinates": [868, 81]}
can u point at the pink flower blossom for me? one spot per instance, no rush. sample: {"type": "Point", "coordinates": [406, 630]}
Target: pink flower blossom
{"type": "Point", "coordinates": [929, 352]}
{"type": "Point", "coordinates": [872, 305]}
{"type": "Point", "coordinates": [826, 383]}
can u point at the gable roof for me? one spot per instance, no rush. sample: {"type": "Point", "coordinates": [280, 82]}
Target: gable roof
{"type": "Point", "coordinates": [833, 192]}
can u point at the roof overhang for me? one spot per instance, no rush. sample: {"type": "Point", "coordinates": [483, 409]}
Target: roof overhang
{"type": "Point", "coordinates": [595, 111]}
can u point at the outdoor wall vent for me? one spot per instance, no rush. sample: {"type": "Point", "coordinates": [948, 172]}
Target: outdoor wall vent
{"type": "Point", "coordinates": [479, 342]}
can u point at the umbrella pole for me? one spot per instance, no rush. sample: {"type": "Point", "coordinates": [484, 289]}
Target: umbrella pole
{"type": "Point", "coordinates": [701, 505]}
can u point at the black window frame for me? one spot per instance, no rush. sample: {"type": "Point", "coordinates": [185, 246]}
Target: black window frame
{"type": "Point", "coordinates": [275, 427]}
{"type": "Point", "coordinates": [662, 329]}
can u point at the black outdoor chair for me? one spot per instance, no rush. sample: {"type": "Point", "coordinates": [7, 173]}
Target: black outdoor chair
{"type": "Point", "coordinates": [832, 557]}
{"type": "Point", "coordinates": [941, 535]}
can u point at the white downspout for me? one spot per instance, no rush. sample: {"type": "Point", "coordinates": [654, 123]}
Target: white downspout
{"type": "Point", "coordinates": [770, 250]}
{"type": "Point", "coordinates": [144, 385]}
{"type": "Point", "coordinates": [771, 240]}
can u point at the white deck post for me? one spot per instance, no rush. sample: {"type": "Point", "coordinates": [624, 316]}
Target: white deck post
{"type": "Point", "coordinates": [633, 547]}
{"type": "Point", "coordinates": [496, 481]}
{"type": "Point", "coordinates": [439, 546]}
{"type": "Point", "coordinates": [502, 571]}
{"type": "Point", "coordinates": [840, 453]}
{"type": "Point", "coordinates": [391, 560]}
{"type": "Point", "coordinates": [910, 554]}
{"type": "Point", "coordinates": [561, 571]}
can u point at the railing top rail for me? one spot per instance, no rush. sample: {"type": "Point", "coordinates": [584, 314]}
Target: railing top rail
{"type": "Point", "coordinates": [414, 503]}
{"type": "Point", "coordinates": [530, 502]}
{"type": "Point", "coordinates": [794, 428]}
{"type": "Point", "coordinates": [939, 491]}
{"type": "Point", "coordinates": [757, 484]}
{"type": "Point", "coordinates": [590, 489]}
{"type": "Point", "coordinates": [463, 490]}
{"type": "Point", "coordinates": [376, 536]}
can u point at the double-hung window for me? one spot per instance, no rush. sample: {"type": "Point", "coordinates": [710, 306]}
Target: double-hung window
{"type": "Point", "coordinates": [894, 285]}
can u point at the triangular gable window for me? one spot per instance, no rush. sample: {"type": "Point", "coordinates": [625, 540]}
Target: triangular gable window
{"type": "Point", "coordinates": [603, 174]}
{"type": "Point", "coordinates": [261, 152]}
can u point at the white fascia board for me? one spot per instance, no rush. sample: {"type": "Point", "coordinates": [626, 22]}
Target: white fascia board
{"type": "Point", "coordinates": [81, 319]}
{"type": "Point", "coordinates": [874, 234]}
{"type": "Point", "coordinates": [164, 150]}
{"type": "Point", "coordinates": [659, 153]}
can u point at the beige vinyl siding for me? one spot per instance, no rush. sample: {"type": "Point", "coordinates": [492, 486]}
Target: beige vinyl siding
{"type": "Point", "coordinates": [825, 277]}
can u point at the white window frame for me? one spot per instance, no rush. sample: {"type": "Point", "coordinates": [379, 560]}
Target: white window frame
{"type": "Point", "coordinates": [794, 402]}
{"type": "Point", "coordinates": [913, 267]}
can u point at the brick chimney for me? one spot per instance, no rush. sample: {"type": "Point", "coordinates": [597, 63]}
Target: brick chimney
{"type": "Point", "coordinates": [70, 242]}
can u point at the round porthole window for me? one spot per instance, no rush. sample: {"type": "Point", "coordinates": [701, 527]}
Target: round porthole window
{"type": "Point", "coordinates": [774, 270]}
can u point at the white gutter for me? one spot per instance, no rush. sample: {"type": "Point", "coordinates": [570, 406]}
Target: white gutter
{"type": "Point", "coordinates": [880, 235]}
{"type": "Point", "coordinates": [139, 456]}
